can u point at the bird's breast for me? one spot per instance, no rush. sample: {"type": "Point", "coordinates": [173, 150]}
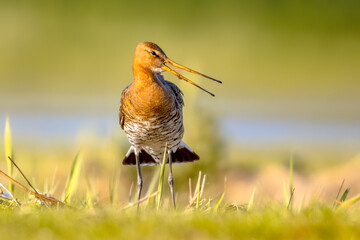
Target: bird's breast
{"type": "Point", "coordinates": [152, 115]}
{"type": "Point", "coordinates": [155, 131]}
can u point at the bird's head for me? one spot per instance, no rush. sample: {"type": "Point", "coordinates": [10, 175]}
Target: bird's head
{"type": "Point", "coordinates": [151, 57]}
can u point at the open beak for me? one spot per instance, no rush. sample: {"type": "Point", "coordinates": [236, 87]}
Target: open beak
{"type": "Point", "coordinates": [166, 68]}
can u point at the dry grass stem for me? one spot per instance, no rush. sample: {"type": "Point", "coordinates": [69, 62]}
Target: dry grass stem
{"type": "Point", "coordinates": [142, 200]}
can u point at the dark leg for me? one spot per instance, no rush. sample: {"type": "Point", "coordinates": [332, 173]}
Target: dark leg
{"type": "Point", "coordinates": [139, 178]}
{"type": "Point", "coordinates": [170, 179]}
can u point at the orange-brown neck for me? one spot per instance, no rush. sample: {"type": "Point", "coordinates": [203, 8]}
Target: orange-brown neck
{"type": "Point", "coordinates": [150, 95]}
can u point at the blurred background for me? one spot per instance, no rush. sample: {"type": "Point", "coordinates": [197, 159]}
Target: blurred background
{"type": "Point", "coordinates": [291, 87]}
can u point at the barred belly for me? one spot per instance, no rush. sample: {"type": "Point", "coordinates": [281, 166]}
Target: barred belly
{"type": "Point", "coordinates": [152, 134]}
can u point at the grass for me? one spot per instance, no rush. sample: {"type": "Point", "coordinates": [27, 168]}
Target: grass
{"type": "Point", "coordinates": [161, 180]}
{"type": "Point", "coordinates": [41, 216]}
{"type": "Point", "coordinates": [73, 179]}
{"type": "Point", "coordinates": [200, 219]}
{"type": "Point", "coordinates": [269, 222]}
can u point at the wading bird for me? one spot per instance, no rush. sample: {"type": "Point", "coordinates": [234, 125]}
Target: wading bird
{"type": "Point", "coordinates": [151, 113]}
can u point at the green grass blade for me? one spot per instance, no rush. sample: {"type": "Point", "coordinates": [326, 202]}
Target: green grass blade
{"type": "Point", "coordinates": [344, 196]}
{"type": "Point", "coordinates": [161, 180]}
{"type": "Point", "coordinates": [341, 186]}
{"type": "Point", "coordinates": [350, 202]}
{"type": "Point", "coordinates": [291, 198]}
{"type": "Point", "coordinates": [216, 208]}
{"type": "Point", "coordinates": [9, 152]}
{"type": "Point", "coordinates": [338, 194]}
{"type": "Point", "coordinates": [251, 201]}
{"type": "Point", "coordinates": [73, 179]}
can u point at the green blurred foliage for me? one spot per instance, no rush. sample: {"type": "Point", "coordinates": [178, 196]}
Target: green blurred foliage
{"type": "Point", "coordinates": [259, 48]}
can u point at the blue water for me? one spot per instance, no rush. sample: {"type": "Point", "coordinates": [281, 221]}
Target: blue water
{"type": "Point", "coordinates": [48, 128]}
{"type": "Point", "coordinates": [256, 131]}
{"type": "Point", "coordinates": [51, 128]}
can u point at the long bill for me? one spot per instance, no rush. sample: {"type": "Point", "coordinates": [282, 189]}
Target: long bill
{"type": "Point", "coordinates": [190, 70]}
{"type": "Point", "coordinates": [166, 68]}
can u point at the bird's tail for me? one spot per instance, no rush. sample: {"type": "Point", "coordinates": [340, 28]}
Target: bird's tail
{"type": "Point", "coordinates": [183, 154]}
{"type": "Point", "coordinates": [145, 158]}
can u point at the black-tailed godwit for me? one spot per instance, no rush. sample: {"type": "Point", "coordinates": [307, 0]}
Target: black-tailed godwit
{"type": "Point", "coordinates": [151, 113]}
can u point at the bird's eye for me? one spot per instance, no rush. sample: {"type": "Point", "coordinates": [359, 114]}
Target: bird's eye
{"type": "Point", "coordinates": [153, 53]}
